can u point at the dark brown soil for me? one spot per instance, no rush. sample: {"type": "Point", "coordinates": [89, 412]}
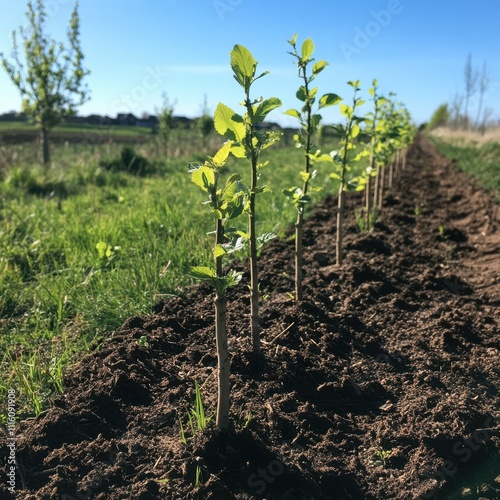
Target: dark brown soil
{"type": "Point", "coordinates": [398, 351]}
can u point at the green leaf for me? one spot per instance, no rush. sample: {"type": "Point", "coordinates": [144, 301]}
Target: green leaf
{"type": "Point", "coordinates": [101, 248]}
{"type": "Point", "coordinates": [238, 150]}
{"type": "Point", "coordinates": [293, 112]}
{"type": "Point", "coordinates": [319, 67]}
{"type": "Point", "coordinates": [355, 131]}
{"type": "Point", "coordinates": [293, 41]}
{"type": "Point", "coordinates": [307, 49]}
{"type": "Point", "coordinates": [202, 273]}
{"type": "Point", "coordinates": [315, 121]}
{"type": "Point", "coordinates": [229, 123]}
{"type": "Point", "coordinates": [329, 100]}
{"type": "Point", "coordinates": [243, 65]}
{"type": "Point", "coordinates": [301, 94]}
{"type": "Point", "coordinates": [346, 110]}
{"type": "Point", "coordinates": [265, 107]}
{"type": "Point", "coordinates": [305, 176]}
{"type": "Point", "coordinates": [371, 91]}
{"type": "Point", "coordinates": [219, 251]}
{"type": "Point", "coordinates": [264, 238]}
{"type": "Point", "coordinates": [233, 278]}
{"type": "Point", "coordinates": [324, 158]}
{"type": "Point", "coordinates": [222, 155]}
{"type": "Point", "coordinates": [204, 177]}
{"type": "Point", "coordinates": [334, 175]}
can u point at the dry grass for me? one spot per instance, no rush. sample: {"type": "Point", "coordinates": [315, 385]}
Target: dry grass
{"type": "Point", "coordinates": [468, 137]}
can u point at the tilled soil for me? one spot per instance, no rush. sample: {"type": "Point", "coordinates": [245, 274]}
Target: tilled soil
{"type": "Point", "coordinates": [383, 383]}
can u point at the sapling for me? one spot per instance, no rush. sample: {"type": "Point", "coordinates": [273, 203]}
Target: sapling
{"type": "Point", "coordinates": [226, 203]}
{"type": "Point", "coordinates": [343, 159]}
{"type": "Point", "coordinates": [373, 128]}
{"type": "Point", "coordinates": [309, 124]}
{"type": "Point", "coordinates": [249, 142]}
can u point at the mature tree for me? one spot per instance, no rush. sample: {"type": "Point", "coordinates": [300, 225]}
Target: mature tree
{"type": "Point", "coordinates": [50, 79]}
{"type": "Point", "coordinates": [440, 117]}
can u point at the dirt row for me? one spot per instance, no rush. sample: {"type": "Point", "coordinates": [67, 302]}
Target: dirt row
{"type": "Point", "coordinates": [381, 384]}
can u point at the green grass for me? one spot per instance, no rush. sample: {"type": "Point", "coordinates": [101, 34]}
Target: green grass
{"type": "Point", "coordinates": [79, 128]}
{"type": "Point", "coordinates": [83, 248]}
{"type": "Point", "coordinates": [481, 162]}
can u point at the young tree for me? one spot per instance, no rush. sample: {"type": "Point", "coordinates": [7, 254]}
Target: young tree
{"type": "Point", "coordinates": [250, 141]}
{"type": "Point", "coordinates": [484, 82]}
{"type": "Point", "coordinates": [165, 123]}
{"type": "Point", "coordinates": [309, 124]}
{"type": "Point", "coordinates": [205, 123]}
{"type": "Point", "coordinates": [343, 159]}
{"type": "Point", "coordinates": [226, 203]}
{"type": "Point", "coordinates": [51, 78]}
{"type": "Point", "coordinates": [470, 77]}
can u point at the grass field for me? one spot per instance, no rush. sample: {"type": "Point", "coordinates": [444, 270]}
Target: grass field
{"type": "Point", "coordinates": [79, 128]}
{"type": "Point", "coordinates": [480, 160]}
{"type": "Point", "coordinates": [83, 248]}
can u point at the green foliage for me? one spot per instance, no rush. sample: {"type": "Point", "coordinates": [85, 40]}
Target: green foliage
{"type": "Point", "coordinates": [50, 80]}
{"type": "Point", "coordinates": [309, 121]}
{"type": "Point", "coordinates": [247, 142]}
{"type": "Point", "coordinates": [130, 162]}
{"type": "Point", "coordinates": [440, 117]}
{"type": "Point", "coordinates": [197, 420]}
{"type": "Point", "coordinates": [344, 159]}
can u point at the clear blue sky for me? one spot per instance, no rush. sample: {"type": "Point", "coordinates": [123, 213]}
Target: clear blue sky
{"type": "Point", "coordinates": [137, 50]}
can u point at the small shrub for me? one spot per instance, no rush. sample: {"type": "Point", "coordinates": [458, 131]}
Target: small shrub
{"type": "Point", "coordinates": [130, 162]}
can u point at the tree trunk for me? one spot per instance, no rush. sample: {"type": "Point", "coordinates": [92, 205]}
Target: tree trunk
{"type": "Point", "coordinates": [223, 363]}
{"type": "Point", "coordinates": [298, 256]}
{"type": "Point", "coordinates": [391, 174]}
{"type": "Point", "coordinates": [44, 145]}
{"type": "Point", "coordinates": [368, 202]}
{"type": "Point", "coordinates": [380, 196]}
{"type": "Point", "coordinates": [376, 190]}
{"type": "Point", "coordinates": [254, 280]}
{"type": "Point", "coordinates": [340, 224]}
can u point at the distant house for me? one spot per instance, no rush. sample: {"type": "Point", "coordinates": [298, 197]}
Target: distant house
{"type": "Point", "coordinates": [151, 121]}
{"type": "Point", "coordinates": [126, 119]}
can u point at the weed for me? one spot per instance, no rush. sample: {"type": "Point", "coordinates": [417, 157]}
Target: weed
{"type": "Point", "coordinates": [197, 419]}
{"type": "Point", "coordinates": [380, 458]}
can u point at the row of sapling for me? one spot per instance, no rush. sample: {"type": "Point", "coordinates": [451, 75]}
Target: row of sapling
{"type": "Point", "coordinates": [245, 140]}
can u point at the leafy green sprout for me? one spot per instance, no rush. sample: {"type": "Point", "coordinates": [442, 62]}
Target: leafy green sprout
{"type": "Point", "coordinates": [381, 457]}
{"type": "Point", "coordinates": [197, 418]}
